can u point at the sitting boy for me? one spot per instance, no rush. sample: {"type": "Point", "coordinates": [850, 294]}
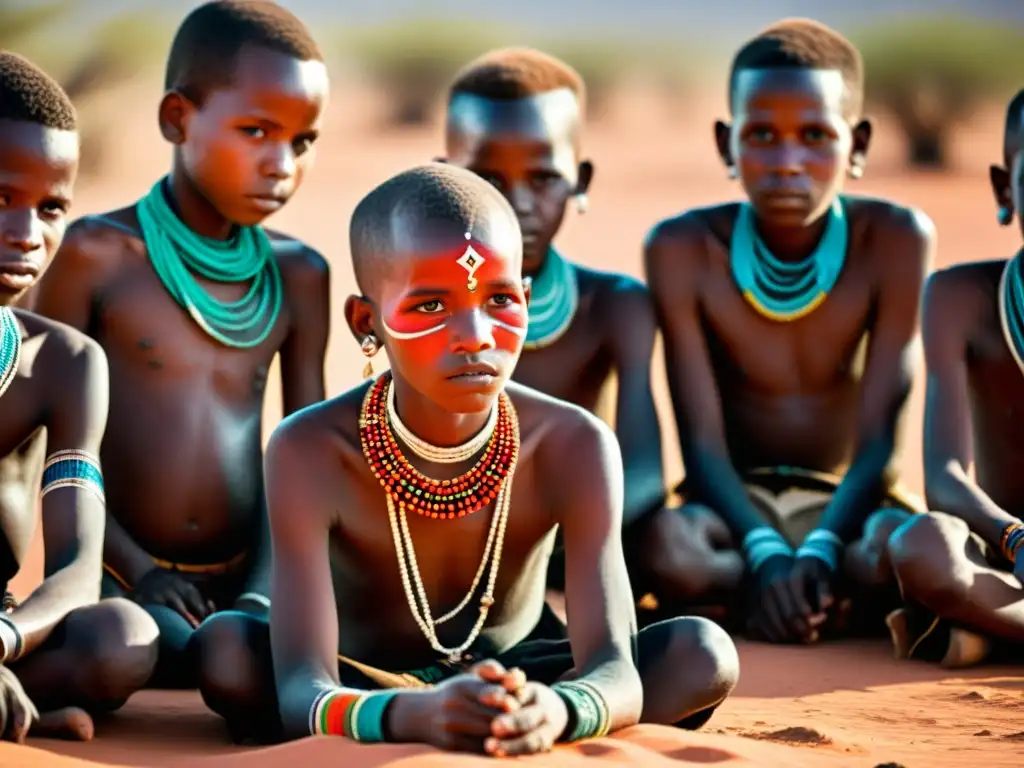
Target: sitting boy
{"type": "Point", "coordinates": [961, 567]}
{"type": "Point", "coordinates": [515, 118]}
{"type": "Point", "coordinates": [790, 322]}
{"type": "Point", "coordinates": [62, 650]}
{"type": "Point", "coordinates": [403, 488]}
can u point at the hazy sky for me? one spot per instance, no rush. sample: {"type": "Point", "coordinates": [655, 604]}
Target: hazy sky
{"type": "Point", "coordinates": [721, 18]}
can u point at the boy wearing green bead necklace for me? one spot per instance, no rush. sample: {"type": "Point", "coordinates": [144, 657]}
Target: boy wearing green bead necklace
{"type": "Point", "coordinates": [790, 323]}
{"type": "Point", "coordinates": [64, 653]}
{"type": "Point", "coordinates": [454, 482]}
{"type": "Point", "coordinates": [515, 118]}
{"type": "Point", "coordinates": [192, 300]}
{"type": "Point", "coordinates": [961, 567]}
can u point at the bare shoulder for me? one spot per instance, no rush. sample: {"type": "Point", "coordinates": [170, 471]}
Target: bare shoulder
{"type": "Point", "coordinates": [617, 298]}
{"type": "Point", "coordinates": [561, 436]}
{"type": "Point", "coordinates": [677, 248]}
{"type": "Point", "coordinates": [298, 261]}
{"type": "Point", "coordinates": [67, 364]}
{"type": "Point", "coordinates": [100, 241]}
{"type": "Point", "coordinates": [321, 435]}
{"type": "Point", "coordinates": [962, 296]}
{"type": "Point", "coordinates": [893, 233]}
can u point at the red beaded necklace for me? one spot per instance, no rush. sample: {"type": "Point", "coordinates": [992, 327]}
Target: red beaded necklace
{"type": "Point", "coordinates": [408, 488]}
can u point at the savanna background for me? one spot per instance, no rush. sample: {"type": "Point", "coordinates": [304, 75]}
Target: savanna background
{"type": "Point", "coordinates": [939, 74]}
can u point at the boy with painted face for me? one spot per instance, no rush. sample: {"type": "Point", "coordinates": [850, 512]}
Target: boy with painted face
{"type": "Point", "coordinates": [61, 649]}
{"type": "Point", "coordinates": [790, 324]}
{"type": "Point", "coordinates": [452, 482]}
{"type": "Point", "coordinates": [192, 299]}
{"type": "Point", "coordinates": [515, 119]}
{"type": "Point", "coordinates": [963, 563]}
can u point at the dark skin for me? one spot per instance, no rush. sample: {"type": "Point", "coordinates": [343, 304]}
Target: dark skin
{"type": "Point", "coordinates": [315, 458]}
{"type": "Point", "coordinates": [974, 412]}
{"type": "Point", "coordinates": [529, 150]}
{"type": "Point", "coordinates": [79, 654]}
{"type": "Point", "coordinates": [194, 493]}
{"type": "Point", "coordinates": [825, 392]}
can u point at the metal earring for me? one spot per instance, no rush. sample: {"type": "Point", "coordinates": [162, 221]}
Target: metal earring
{"type": "Point", "coordinates": [1005, 215]}
{"type": "Point", "coordinates": [582, 203]}
{"type": "Point", "coordinates": [856, 171]}
{"type": "Point", "coordinates": [369, 347]}
{"type": "Point", "coordinates": [732, 172]}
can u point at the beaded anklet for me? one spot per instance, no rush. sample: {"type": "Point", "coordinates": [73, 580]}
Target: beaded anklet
{"type": "Point", "coordinates": [763, 543]}
{"type": "Point", "coordinates": [588, 711]}
{"type": "Point", "coordinates": [11, 641]}
{"type": "Point", "coordinates": [1011, 540]}
{"type": "Point", "coordinates": [824, 545]}
{"type": "Point", "coordinates": [357, 715]}
{"type": "Point", "coordinates": [73, 469]}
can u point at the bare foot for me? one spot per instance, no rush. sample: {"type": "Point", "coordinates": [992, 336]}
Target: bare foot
{"type": "Point", "coordinates": [70, 723]}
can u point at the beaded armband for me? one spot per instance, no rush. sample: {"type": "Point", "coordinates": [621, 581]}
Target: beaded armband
{"type": "Point", "coordinates": [1011, 540]}
{"type": "Point", "coordinates": [762, 543]}
{"type": "Point", "coordinates": [73, 469]}
{"type": "Point", "coordinates": [357, 715]}
{"type": "Point", "coordinates": [588, 712]}
{"type": "Point", "coordinates": [824, 545]}
{"type": "Point", "coordinates": [11, 641]}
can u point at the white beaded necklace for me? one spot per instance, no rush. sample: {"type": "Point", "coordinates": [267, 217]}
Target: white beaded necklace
{"type": "Point", "coordinates": [435, 453]}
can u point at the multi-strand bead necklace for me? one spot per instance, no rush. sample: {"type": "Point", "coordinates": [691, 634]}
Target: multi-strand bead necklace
{"type": "Point", "coordinates": [490, 479]}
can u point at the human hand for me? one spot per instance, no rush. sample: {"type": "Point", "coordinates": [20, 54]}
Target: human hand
{"type": "Point", "coordinates": [771, 601]}
{"type": "Point", "coordinates": [533, 728]}
{"type": "Point", "coordinates": [17, 712]}
{"type": "Point", "coordinates": [161, 587]}
{"type": "Point", "coordinates": [812, 598]}
{"type": "Point", "coordinates": [694, 551]}
{"type": "Point", "coordinates": [456, 715]}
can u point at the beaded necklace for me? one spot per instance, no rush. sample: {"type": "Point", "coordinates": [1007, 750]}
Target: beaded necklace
{"type": "Point", "coordinates": [10, 348]}
{"type": "Point", "coordinates": [178, 254]}
{"type": "Point", "coordinates": [407, 487]}
{"type": "Point", "coordinates": [553, 302]}
{"type": "Point", "coordinates": [434, 453]}
{"type": "Point", "coordinates": [1011, 308]}
{"type": "Point", "coordinates": [782, 290]}
{"type": "Point", "coordinates": [412, 582]}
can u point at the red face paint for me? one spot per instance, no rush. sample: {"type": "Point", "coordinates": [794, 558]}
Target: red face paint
{"type": "Point", "coordinates": [463, 301]}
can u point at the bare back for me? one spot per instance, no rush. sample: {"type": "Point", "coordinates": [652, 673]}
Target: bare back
{"type": "Point", "coordinates": [182, 452]}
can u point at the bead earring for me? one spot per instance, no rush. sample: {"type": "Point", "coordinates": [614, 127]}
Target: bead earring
{"type": "Point", "coordinates": [856, 172]}
{"type": "Point", "coordinates": [1005, 215]}
{"type": "Point", "coordinates": [582, 203]}
{"type": "Point", "coordinates": [369, 347]}
{"type": "Point", "coordinates": [732, 172]}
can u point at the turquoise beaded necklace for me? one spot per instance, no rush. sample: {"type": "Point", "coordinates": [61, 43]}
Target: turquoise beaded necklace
{"type": "Point", "coordinates": [1011, 308]}
{"type": "Point", "coordinates": [10, 347]}
{"type": "Point", "coordinates": [781, 290]}
{"type": "Point", "coordinates": [553, 302]}
{"type": "Point", "coordinates": [178, 254]}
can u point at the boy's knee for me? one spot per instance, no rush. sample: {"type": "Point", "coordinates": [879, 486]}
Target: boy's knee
{"type": "Point", "coordinates": [234, 665]}
{"type": "Point", "coordinates": [925, 553]}
{"type": "Point", "coordinates": [117, 643]}
{"type": "Point", "coordinates": [703, 653]}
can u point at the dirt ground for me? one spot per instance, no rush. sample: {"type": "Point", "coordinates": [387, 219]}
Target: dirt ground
{"type": "Point", "coordinates": [846, 704]}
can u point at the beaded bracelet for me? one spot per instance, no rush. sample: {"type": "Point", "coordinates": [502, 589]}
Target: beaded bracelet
{"type": "Point", "coordinates": [357, 715]}
{"type": "Point", "coordinates": [254, 597]}
{"type": "Point", "coordinates": [73, 469]}
{"type": "Point", "coordinates": [11, 641]}
{"type": "Point", "coordinates": [763, 543]}
{"type": "Point", "coordinates": [588, 712]}
{"type": "Point", "coordinates": [824, 545]}
{"type": "Point", "coordinates": [1011, 540]}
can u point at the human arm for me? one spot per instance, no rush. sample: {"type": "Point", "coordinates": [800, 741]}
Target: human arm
{"type": "Point", "coordinates": [75, 374]}
{"type": "Point", "coordinates": [950, 314]}
{"type": "Point", "coordinates": [599, 601]}
{"type": "Point", "coordinates": [892, 360]}
{"type": "Point", "coordinates": [306, 277]}
{"type": "Point", "coordinates": [630, 331]}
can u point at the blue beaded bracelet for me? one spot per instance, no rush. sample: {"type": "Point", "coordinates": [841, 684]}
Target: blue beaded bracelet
{"type": "Point", "coordinates": [588, 712]}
